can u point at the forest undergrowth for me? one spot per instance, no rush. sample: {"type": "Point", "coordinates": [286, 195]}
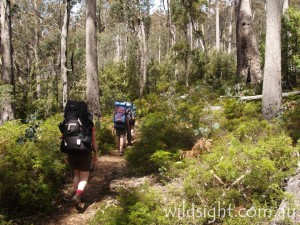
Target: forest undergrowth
{"type": "Point", "coordinates": [241, 165]}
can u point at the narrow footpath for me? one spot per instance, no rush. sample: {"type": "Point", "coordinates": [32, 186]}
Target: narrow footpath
{"type": "Point", "coordinates": [107, 169]}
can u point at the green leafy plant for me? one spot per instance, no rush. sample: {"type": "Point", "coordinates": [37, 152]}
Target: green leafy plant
{"type": "Point", "coordinates": [158, 132]}
{"type": "Point", "coordinates": [32, 171]}
{"type": "Point", "coordinates": [135, 206]}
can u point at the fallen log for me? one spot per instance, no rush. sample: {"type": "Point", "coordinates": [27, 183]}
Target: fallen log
{"type": "Point", "coordinates": [255, 97]}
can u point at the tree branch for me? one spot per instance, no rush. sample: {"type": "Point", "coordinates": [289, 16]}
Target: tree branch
{"type": "Point", "coordinates": [255, 97]}
{"type": "Point", "coordinates": [238, 179]}
{"type": "Point", "coordinates": [216, 176]}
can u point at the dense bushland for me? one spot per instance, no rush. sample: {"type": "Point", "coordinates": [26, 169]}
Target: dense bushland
{"type": "Point", "coordinates": [244, 170]}
{"type": "Point", "coordinates": [245, 167]}
{"type": "Point", "coordinates": [32, 168]}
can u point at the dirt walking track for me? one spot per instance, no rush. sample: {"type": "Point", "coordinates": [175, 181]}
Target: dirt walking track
{"type": "Point", "coordinates": [107, 168]}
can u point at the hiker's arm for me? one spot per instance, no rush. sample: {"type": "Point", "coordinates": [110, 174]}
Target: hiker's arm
{"type": "Point", "coordinates": [94, 143]}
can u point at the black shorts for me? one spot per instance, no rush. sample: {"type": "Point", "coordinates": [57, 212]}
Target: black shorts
{"type": "Point", "coordinates": [80, 162]}
{"type": "Point", "coordinates": [131, 122]}
{"type": "Point", "coordinates": [121, 132]}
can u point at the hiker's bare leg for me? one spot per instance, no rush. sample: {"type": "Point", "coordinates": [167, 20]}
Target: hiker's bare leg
{"type": "Point", "coordinates": [84, 176]}
{"type": "Point", "coordinates": [122, 142]}
{"type": "Point", "coordinates": [119, 137]}
{"type": "Point", "coordinates": [76, 180]}
{"type": "Point", "coordinates": [132, 132]}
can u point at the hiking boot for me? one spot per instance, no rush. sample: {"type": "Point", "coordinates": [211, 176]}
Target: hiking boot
{"type": "Point", "coordinates": [76, 199]}
{"type": "Point", "coordinates": [121, 152]}
{"type": "Point", "coordinates": [68, 196]}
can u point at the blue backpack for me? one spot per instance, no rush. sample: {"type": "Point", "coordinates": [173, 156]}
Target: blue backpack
{"type": "Point", "coordinates": [120, 117]}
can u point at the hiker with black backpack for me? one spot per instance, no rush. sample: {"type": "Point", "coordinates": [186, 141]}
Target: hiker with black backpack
{"type": "Point", "coordinates": [121, 124]}
{"type": "Point", "coordinates": [78, 142]}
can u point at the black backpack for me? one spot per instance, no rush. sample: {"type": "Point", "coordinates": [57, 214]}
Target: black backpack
{"type": "Point", "coordinates": [76, 128]}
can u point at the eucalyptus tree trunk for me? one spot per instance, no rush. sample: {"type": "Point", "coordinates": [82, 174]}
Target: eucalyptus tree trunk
{"type": "Point", "coordinates": [285, 5]}
{"type": "Point", "coordinates": [272, 90]}
{"type": "Point", "coordinates": [202, 39]}
{"type": "Point", "coordinates": [159, 49]}
{"type": "Point", "coordinates": [171, 27]}
{"type": "Point", "coordinates": [6, 110]}
{"type": "Point", "coordinates": [118, 48]}
{"type": "Point", "coordinates": [92, 83]}
{"type": "Point", "coordinates": [230, 29]}
{"type": "Point", "coordinates": [187, 51]}
{"type": "Point", "coordinates": [190, 29]}
{"type": "Point", "coordinates": [36, 50]}
{"type": "Point", "coordinates": [63, 55]}
{"type": "Point", "coordinates": [217, 26]}
{"type": "Point", "coordinates": [143, 56]}
{"type": "Point", "coordinates": [248, 63]}
{"type": "Point", "coordinates": [196, 29]}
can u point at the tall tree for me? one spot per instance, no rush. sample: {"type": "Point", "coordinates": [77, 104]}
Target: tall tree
{"type": "Point", "coordinates": [285, 5]}
{"type": "Point", "coordinates": [230, 28]}
{"type": "Point", "coordinates": [217, 26]}
{"type": "Point", "coordinates": [92, 83]}
{"type": "Point", "coordinates": [6, 110]}
{"type": "Point", "coordinates": [63, 54]}
{"type": "Point", "coordinates": [143, 53]}
{"type": "Point", "coordinates": [248, 63]}
{"type": "Point", "coordinates": [171, 27]}
{"type": "Point", "coordinates": [118, 48]}
{"type": "Point", "coordinates": [272, 90]}
{"type": "Point", "coordinates": [36, 49]}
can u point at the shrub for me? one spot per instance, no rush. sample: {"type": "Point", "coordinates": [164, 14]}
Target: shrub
{"type": "Point", "coordinates": [158, 132]}
{"type": "Point", "coordinates": [245, 168]}
{"type": "Point", "coordinates": [292, 121]}
{"type": "Point", "coordinates": [236, 111]}
{"type": "Point", "coordinates": [32, 170]}
{"type": "Point", "coordinates": [105, 138]}
{"type": "Point", "coordinates": [136, 206]}
{"type": "Point", "coordinates": [3, 221]}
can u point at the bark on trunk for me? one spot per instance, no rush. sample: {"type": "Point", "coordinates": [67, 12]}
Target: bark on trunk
{"type": "Point", "coordinates": [6, 110]}
{"type": "Point", "coordinates": [217, 26]}
{"type": "Point", "coordinates": [171, 27]}
{"type": "Point", "coordinates": [36, 51]}
{"type": "Point", "coordinates": [230, 29]}
{"type": "Point", "coordinates": [92, 83]}
{"type": "Point", "coordinates": [190, 32]}
{"type": "Point", "coordinates": [159, 50]}
{"type": "Point", "coordinates": [64, 41]}
{"type": "Point", "coordinates": [272, 91]}
{"type": "Point", "coordinates": [187, 56]}
{"type": "Point", "coordinates": [285, 5]}
{"type": "Point", "coordinates": [248, 63]}
{"type": "Point", "coordinates": [118, 48]}
{"type": "Point", "coordinates": [143, 56]}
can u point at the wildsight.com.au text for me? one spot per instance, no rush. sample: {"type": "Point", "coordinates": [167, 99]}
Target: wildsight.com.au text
{"type": "Point", "coordinates": [192, 211]}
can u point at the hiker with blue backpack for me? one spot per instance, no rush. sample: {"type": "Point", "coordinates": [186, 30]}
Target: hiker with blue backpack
{"type": "Point", "coordinates": [78, 141]}
{"type": "Point", "coordinates": [121, 124]}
